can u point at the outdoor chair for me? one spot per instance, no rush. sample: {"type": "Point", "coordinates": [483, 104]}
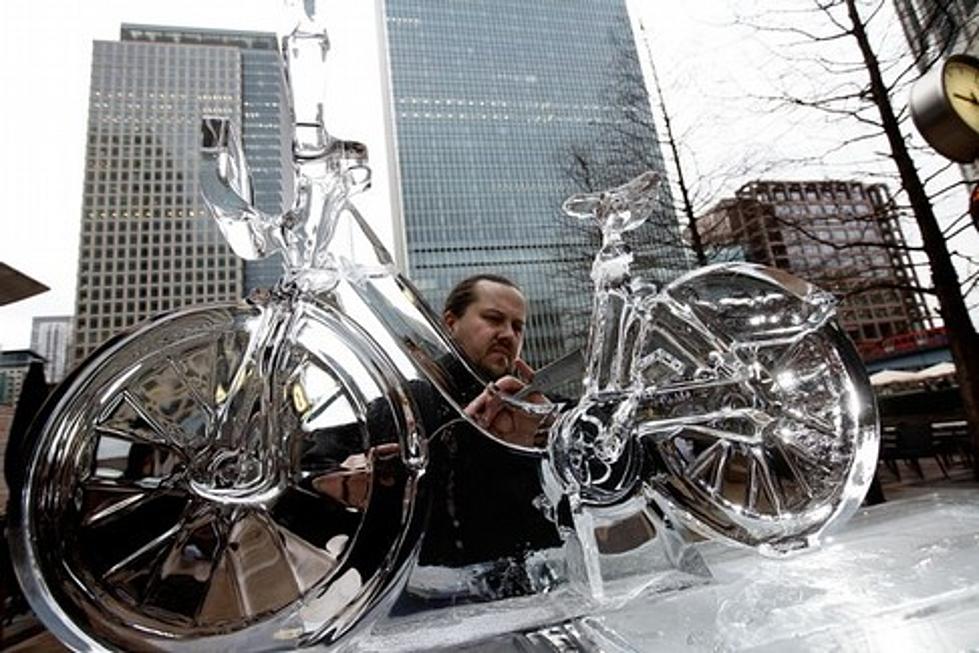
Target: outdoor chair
{"type": "Point", "coordinates": [909, 441]}
{"type": "Point", "coordinates": [952, 442]}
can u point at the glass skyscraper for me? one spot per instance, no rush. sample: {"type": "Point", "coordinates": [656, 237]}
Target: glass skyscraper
{"type": "Point", "coordinates": [936, 27]}
{"type": "Point", "coordinates": [496, 104]}
{"type": "Point", "coordinates": [147, 244]}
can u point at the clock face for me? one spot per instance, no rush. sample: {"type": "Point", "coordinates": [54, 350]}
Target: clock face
{"type": "Point", "coordinates": [945, 107]}
{"type": "Point", "coordinates": [962, 89]}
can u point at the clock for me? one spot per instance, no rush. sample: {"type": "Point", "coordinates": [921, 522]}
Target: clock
{"type": "Point", "coordinates": [945, 107]}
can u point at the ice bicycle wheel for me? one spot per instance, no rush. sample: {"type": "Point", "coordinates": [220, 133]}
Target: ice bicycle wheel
{"type": "Point", "coordinates": [759, 413]}
{"type": "Point", "coordinates": [232, 477]}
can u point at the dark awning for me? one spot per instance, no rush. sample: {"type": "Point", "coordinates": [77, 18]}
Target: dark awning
{"type": "Point", "coordinates": [15, 285]}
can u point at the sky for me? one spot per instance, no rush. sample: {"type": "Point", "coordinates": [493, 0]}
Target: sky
{"type": "Point", "coordinates": [711, 70]}
{"type": "Point", "coordinates": [45, 67]}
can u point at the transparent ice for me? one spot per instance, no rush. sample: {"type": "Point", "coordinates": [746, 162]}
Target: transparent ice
{"type": "Point", "coordinates": [255, 476]}
{"type": "Point", "coordinates": [729, 401]}
{"type": "Point", "coordinates": [891, 580]}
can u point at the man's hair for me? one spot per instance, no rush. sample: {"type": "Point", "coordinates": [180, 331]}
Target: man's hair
{"type": "Point", "coordinates": [464, 292]}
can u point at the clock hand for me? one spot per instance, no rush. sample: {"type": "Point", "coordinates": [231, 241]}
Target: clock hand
{"type": "Point", "coordinates": [971, 98]}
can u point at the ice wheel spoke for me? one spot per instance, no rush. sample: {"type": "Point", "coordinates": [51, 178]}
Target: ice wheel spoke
{"type": "Point", "coordinates": [817, 424]}
{"type": "Point", "coordinates": [808, 368]}
{"type": "Point", "coordinates": [193, 390]}
{"type": "Point", "coordinates": [127, 417]}
{"type": "Point", "coordinates": [761, 485]}
{"type": "Point", "coordinates": [159, 487]}
{"type": "Point", "coordinates": [256, 557]}
{"type": "Point", "coordinates": [245, 388]}
{"type": "Point", "coordinates": [707, 461]}
{"type": "Point", "coordinates": [797, 454]}
{"type": "Point", "coordinates": [127, 565]}
{"type": "Point", "coordinates": [307, 564]}
{"type": "Point", "coordinates": [734, 425]}
{"type": "Point", "coordinates": [180, 576]}
{"type": "Point", "coordinates": [123, 522]}
{"type": "Point", "coordinates": [792, 463]}
{"type": "Point", "coordinates": [113, 507]}
{"type": "Point", "coordinates": [129, 460]}
{"type": "Point", "coordinates": [175, 398]}
{"type": "Point", "coordinates": [717, 483]}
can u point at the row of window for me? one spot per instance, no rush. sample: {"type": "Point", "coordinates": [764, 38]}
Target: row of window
{"type": "Point", "coordinates": [148, 203]}
{"type": "Point", "coordinates": [157, 256]}
{"type": "Point", "coordinates": [121, 174]}
{"type": "Point", "coordinates": [90, 295]}
{"type": "Point", "coordinates": [503, 104]}
{"type": "Point", "coordinates": [96, 219]}
{"type": "Point", "coordinates": [804, 209]}
{"type": "Point", "coordinates": [845, 192]}
{"type": "Point", "coordinates": [212, 84]}
{"type": "Point", "coordinates": [202, 256]}
{"type": "Point", "coordinates": [160, 274]}
{"type": "Point", "coordinates": [876, 330]}
{"type": "Point", "coordinates": [142, 310]}
{"type": "Point", "coordinates": [134, 302]}
{"type": "Point", "coordinates": [539, 118]}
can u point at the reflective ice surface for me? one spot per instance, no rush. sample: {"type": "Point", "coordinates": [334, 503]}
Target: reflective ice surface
{"type": "Point", "coordinates": [728, 400]}
{"type": "Point", "coordinates": [257, 476]}
{"type": "Point", "coordinates": [237, 477]}
{"type": "Point", "coordinates": [891, 580]}
{"type": "Point", "coordinates": [327, 170]}
{"type": "Point", "coordinates": [207, 480]}
{"type": "Point", "coordinates": [888, 580]}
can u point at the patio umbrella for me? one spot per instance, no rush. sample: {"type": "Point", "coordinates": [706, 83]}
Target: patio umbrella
{"type": "Point", "coordinates": [937, 371]}
{"type": "Point", "coordinates": [887, 377]}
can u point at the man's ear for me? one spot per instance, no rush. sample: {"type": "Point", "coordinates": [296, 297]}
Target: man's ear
{"type": "Point", "coordinates": [449, 319]}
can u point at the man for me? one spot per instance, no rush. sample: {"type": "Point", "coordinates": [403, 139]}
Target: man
{"type": "Point", "coordinates": [483, 508]}
{"type": "Point", "coordinates": [486, 315]}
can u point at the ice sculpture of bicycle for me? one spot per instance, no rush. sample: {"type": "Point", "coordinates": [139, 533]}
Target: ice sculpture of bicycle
{"type": "Point", "coordinates": [178, 486]}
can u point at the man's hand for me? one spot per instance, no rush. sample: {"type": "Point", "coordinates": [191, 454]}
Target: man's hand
{"type": "Point", "coordinates": [507, 422]}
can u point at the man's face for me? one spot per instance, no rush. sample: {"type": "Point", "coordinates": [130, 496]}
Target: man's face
{"type": "Point", "coordinates": [490, 330]}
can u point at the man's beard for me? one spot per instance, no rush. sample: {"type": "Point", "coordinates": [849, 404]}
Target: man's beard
{"type": "Point", "coordinates": [510, 369]}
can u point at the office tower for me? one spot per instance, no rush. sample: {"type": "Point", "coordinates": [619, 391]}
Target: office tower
{"type": "Point", "coordinates": [147, 244]}
{"type": "Point", "coordinates": [20, 370]}
{"type": "Point", "coordinates": [6, 420]}
{"type": "Point", "coordinates": [14, 364]}
{"type": "Point", "coordinates": [936, 27]}
{"type": "Point", "coordinates": [494, 101]}
{"type": "Point", "coordinates": [842, 235]}
{"type": "Point", "coordinates": [51, 338]}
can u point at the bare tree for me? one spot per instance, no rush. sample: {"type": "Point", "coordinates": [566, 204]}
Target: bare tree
{"type": "Point", "coordinates": [634, 141]}
{"type": "Point", "coordinates": [621, 144]}
{"type": "Point", "coordinates": [858, 90]}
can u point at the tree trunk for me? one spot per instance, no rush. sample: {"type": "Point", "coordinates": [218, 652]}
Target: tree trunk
{"type": "Point", "coordinates": [696, 242]}
{"type": "Point", "coordinates": [963, 340]}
